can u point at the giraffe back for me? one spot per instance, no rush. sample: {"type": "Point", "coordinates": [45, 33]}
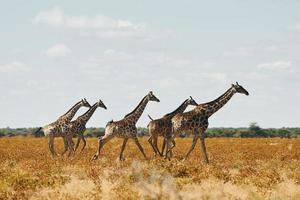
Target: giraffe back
{"type": "Point", "coordinates": [75, 127]}
{"type": "Point", "coordinates": [160, 127]}
{"type": "Point", "coordinates": [190, 120]}
{"type": "Point", "coordinates": [123, 128]}
{"type": "Point", "coordinates": [52, 129]}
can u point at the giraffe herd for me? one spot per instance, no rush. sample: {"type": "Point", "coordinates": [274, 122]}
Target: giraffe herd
{"type": "Point", "coordinates": [168, 127]}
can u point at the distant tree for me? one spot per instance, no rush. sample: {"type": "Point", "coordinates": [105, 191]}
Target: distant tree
{"type": "Point", "coordinates": [283, 133]}
{"type": "Point", "coordinates": [258, 132]}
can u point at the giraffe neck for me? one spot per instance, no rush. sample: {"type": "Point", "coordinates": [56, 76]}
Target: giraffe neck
{"type": "Point", "coordinates": [71, 113]}
{"type": "Point", "coordinates": [88, 114]}
{"type": "Point", "coordinates": [214, 106]}
{"type": "Point", "coordinates": [138, 111]}
{"type": "Point", "coordinates": [180, 109]}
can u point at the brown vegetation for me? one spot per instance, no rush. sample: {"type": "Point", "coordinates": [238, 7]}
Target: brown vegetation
{"type": "Point", "coordinates": [238, 169]}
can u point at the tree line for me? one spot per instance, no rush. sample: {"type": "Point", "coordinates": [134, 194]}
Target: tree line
{"type": "Point", "coordinates": [253, 131]}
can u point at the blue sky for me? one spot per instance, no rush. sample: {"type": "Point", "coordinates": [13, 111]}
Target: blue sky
{"type": "Point", "coordinates": [53, 53]}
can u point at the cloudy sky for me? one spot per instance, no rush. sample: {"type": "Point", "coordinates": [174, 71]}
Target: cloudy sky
{"type": "Point", "coordinates": [53, 53]}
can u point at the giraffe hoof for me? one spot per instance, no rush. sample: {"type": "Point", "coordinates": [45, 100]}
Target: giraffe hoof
{"type": "Point", "coordinates": [95, 157]}
{"type": "Point", "coordinates": [121, 159]}
{"type": "Point", "coordinates": [55, 155]}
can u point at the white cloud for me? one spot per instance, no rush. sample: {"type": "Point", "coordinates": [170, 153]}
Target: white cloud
{"type": "Point", "coordinates": [99, 25]}
{"type": "Point", "coordinates": [279, 65]}
{"type": "Point", "coordinates": [14, 67]}
{"type": "Point", "coordinates": [57, 17]}
{"type": "Point", "coordinates": [53, 17]}
{"type": "Point", "coordinates": [58, 50]}
{"type": "Point", "coordinates": [158, 68]}
{"type": "Point", "coordinates": [138, 61]}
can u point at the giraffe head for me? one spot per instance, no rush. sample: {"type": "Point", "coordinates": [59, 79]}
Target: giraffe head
{"type": "Point", "coordinates": [151, 97]}
{"type": "Point", "coordinates": [191, 101]}
{"type": "Point", "coordinates": [101, 104]}
{"type": "Point", "coordinates": [85, 103]}
{"type": "Point", "coordinates": [239, 89]}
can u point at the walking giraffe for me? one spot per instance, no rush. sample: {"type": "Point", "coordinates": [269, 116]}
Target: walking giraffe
{"type": "Point", "coordinates": [163, 126]}
{"type": "Point", "coordinates": [125, 128]}
{"type": "Point", "coordinates": [77, 127]}
{"type": "Point", "coordinates": [55, 128]}
{"type": "Point", "coordinates": [196, 120]}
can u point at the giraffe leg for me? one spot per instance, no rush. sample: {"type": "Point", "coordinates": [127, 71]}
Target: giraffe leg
{"type": "Point", "coordinates": [78, 142]}
{"type": "Point", "coordinates": [171, 138]}
{"type": "Point", "coordinates": [66, 146]}
{"type": "Point", "coordinates": [84, 143]}
{"type": "Point", "coordinates": [122, 149]}
{"type": "Point", "coordinates": [71, 145]}
{"type": "Point", "coordinates": [102, 141]}
{"type": "Point", "coordinates": [167, 141]}
{"type": "Point", "coordinates": [155, 145]}
{"type": "Point", "coordinates": [163, 147]}
{"type": "Point", "coordinates": [203, 147]}
{"type": "Point", "coordinates": [51, 145]}
{"type": "Point", "coordinates": [140, 147]}
{"type": "Point", "coordinates": [173, 145]}
{"type": "Point", "coordinates": [169, 147]}
{"type": "Point", "coordinates": [195, 139]}
{"type": "Point", "coordinates": [150, 139]}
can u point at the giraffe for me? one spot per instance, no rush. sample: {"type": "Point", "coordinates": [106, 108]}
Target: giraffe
{"type": "Point", "coordinates": [77, 127]}
{"type": "Point", "coordinates": [125, 128]}
{"type": "Point", "coordinates": [55, 128]}
{"type": "Point", "coordinates": [163, 126]}
{"type": "Point", "coordinates": [196, 120]}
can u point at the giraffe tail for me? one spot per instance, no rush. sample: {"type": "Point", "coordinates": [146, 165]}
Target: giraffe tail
{"type": "Point", "coordinates": [150, 118]}
{"type": "Point", "coordinates": [38, 130]}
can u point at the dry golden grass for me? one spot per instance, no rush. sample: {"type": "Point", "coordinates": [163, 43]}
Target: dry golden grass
{"type": "Point", "coordinates": [239, 169]}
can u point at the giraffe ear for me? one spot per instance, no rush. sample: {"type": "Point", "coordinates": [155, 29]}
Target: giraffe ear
{"type": "Point", "coordinates": [237, 83]}
{"type": "Point", "coordinates": [232, 85]}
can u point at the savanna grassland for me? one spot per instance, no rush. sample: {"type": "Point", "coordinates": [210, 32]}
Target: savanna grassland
{"type": "Point", "coordinates": [238, 169]}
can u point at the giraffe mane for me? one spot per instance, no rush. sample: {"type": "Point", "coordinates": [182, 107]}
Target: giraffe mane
{"type": "Point", "coordinates": [175, 111]}
{"type": "Point", "coordinates": [87, 111]}
{"type": "Point", "coordinates": [72, 108]}
{"type": "Point", "coordinates": [136, 107]}
{"type": "Point", "coordinates": [217, 99]}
